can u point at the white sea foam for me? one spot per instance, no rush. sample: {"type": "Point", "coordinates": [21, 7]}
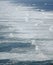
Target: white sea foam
{"type": "Point", "coordinates": [15, 16]}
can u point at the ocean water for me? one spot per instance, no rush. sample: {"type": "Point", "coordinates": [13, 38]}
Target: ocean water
{"type": "Point", "coordinates": [8, 62]}
{"type": "Point", "coordinates": [26, 32]}
{"type": "Point", "coordinates": [40, 4]}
